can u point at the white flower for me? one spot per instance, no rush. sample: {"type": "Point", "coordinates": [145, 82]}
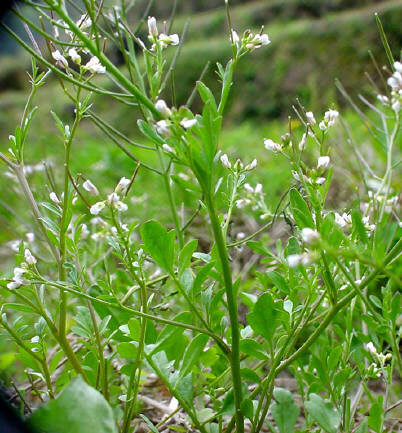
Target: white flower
{"type": "Point", "coordinates": [166, 40]}
{"type": "Point", "coordinates": [167, 148]}
{"type": "Point", "coordinates": [370, 347]}
{"type": "Point", "coordinates": [252, 165]}
{"type": "Point", "coordinates": [383, 99]}
{"type": "Point", "coordinates": [395, 81]}
{"type": "Point", "coordinates": [295, 175]}
{"type": "Point", "coordinates": [258, 188]}
{"type": "Point", "coordinates": [188, 123]}
{"type": "Point", "coordinates": [161, 106]}
{"type": "Point", "coordinates": [54, 198]}
{"type": "Point", "coordinates": [302, 143]}
{"type": "Point", "coordinates": [120, 206]}
{"type": "Point", "coordinates": [304, 259]}
{"type": "Point", "coordinates": [322, 125]}
{"type": "Point", "coordinates": [256, 41]}
{"type": "Point", "coordinates": [29, 258]}
{"type": "Point", "coordinates": [323, 162]}
{"type": "Point", "coordinates": [14, 285]}
{"type": "Point", "coordinates": [396, 106]}
{"type": "Point", "coordinates": [90, 187]}
{"type": "Point", "coordinates": [241, 203]}
{"type": "Point", "coordinates": [30, 237]}
{"type": "Point", "coordinates": [122, 185]}
{"type": "Point", "coordinates": [84, 22]}
{"type": "Point", "coordinates": [398, 67]}
{"type": "Point", "coordinates": [330, 117]}
{"type": "Point", "coordinates": [310, 236]}
{"type": "Point", "coordinates": [235, 38]}
{"type": "Point", "coordinates": [311, 118]}
{"type": "Point", "coordinates": [162, 127]}
{"type": "Point", "coordinates": [60, 59]}
{"type": "Point", "coordinates": [94, 66]}
{"type": "Point", "coordinates": [84, 231]}
{"type": "Point", "coordinates": [97, 208]}
{"type": "Point", "coordinates": [271, 145]}
{"type": "Point", "coordinates": [248, 188]}
{"type": "Point", "coordinates": [152, 28]}
{"type": "Point", "coordinates": [113, 198]}
{"type": "Point", "coordinates": [75, 57]}
{"type": "Point", "coordinates": [320, 180]}
{"type": "Point", "coordinates": [225, 161]}
{"type": "Point", "coordinates": [293, 260]}
{"type": "Point", "coordinates": [343, 220]}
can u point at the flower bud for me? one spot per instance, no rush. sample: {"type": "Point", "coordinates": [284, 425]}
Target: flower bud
{"type": "Point", "coordinates": [323, 162]}
{"type": "Point", "coordinates": [29, 258]}
{"type": "Point", "coordinates": [163, 108]}
{"type": "Point", "coordinates": [152, 28]}
{"type": "Point", "coordinates": [90, 187]}
{"type": "Point", "coordinates": [225, 161]}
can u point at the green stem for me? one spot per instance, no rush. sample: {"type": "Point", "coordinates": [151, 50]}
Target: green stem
{"type": "Point", "coordinates": [233, 311]}
{"type": "Point", "coordinates": [111, 68]}
{"type": "Point", "coordinates": [64, 225]}
{"type": "Point", "coordinates": [172, 204]}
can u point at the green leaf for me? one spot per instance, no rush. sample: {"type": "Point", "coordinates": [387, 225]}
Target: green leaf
{"type": "Point", "coordinates": [149, 132]}
{"type": "Point", "coordinates": [253, 348]}
{"type": "Point", "coordinates": [363, 427]}
{"type": "Point", "coordinates": [19, 307]}
{"type": "Point", "coordinates": [264, 316]}
{"type": "Point", "coordinates": [322, 412]}
{"type": "Point", "coordinates": [127, 350]}
{"type": "Point", "coordinates": [193, 353]}
{"type": "Point", "coordinates": [300, 210]}
{"type": "Point", "coordinates": [184, 387]}
{"type": "Point", "coordinates": [79, 409]}
{"type": "Point", "coordinates": [185, 255]}
{"type": "Point", "coordinates": [250, 375]}
{"type": "Point", "coordinates": [284, 410]}
{"type": "Point", "coordinates": [149, 424]}
{"type": "Point", "coordinates": [247, 408]}
{"type": "Point", "coordinates": [376, 414]}
{"type": "Point", "coordinates": [278, 281]}
{"type": "Point", "coordinates": [206, 95]}
{"type": "Point", "coordinates": [358, 227]}
{"type": "Point", "coordinates": [159, 244]}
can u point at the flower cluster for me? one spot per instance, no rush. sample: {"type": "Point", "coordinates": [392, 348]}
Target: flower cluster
{"type": "Point", "coordinates": [395, 82]}
{"type": "Point", "coordinates": [161, 40]}
{"type": "Point", "coordinates": [238, 166]}
{"type": "Point", "coordinates": [249, 42]}
{"type": "Point", "coordinates": [113, 199]}
{"type": "Point", "coordinates": [19, 279]}
{"type": "Point", "coordinates": [329, 120]}
{"type": "Point", "coordinates": [93, 66]}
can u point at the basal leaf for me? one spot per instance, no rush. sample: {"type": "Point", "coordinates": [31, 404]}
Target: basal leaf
{"type": "Point", "coordinates": [79, 409]}
{"type": "Point", "coordinates": [284, 410]}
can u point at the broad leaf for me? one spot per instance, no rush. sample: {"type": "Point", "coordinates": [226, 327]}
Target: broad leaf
{"type": "Point", "coordinates": [79, 409]}
{"type": "Point", "coordinates": [159, 244]}
{"type": "Point", "coordinates": [300, 210]}
{"type": "Point", "coordinates": [284, 410]}
{"type": "Point", "coordinates": [323, 413]}
{"type": "Point", "coordinates": [264, 316]}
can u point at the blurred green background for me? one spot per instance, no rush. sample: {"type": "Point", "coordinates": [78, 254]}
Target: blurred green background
{"type": "Point", "coordinates": [313, 43]}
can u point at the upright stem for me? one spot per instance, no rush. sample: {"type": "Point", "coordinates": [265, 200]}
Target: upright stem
{"type": "Point", "coordinates": [233, 311]}
{"type": "Point", "coordinates": [63, 228]}
{"type": "Point", "coordinates": [172, 204]}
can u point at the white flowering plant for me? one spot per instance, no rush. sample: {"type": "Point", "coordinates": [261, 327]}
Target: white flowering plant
{"type": "Point", "coordinates": [98, 300]}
